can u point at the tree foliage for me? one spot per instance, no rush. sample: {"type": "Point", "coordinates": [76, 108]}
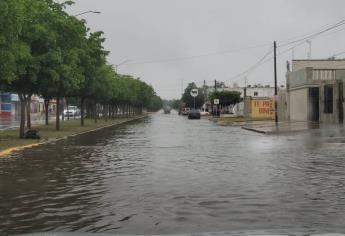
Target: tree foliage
{"type": "Point", "coordinates": [45, 51]}
{"type": "Point", "coordinates": [226, 98]}
{"type": "Point", "coordinates": [189, 100]}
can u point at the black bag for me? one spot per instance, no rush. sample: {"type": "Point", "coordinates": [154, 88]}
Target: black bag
{"type": "Point", "coordinates": [31, 134]}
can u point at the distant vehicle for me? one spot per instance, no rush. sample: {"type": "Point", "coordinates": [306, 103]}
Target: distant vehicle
{"type": "Point", "coordinates": [71, 111]}
{"type": "Point", "coordinates": [185, 111]}
{"type": "Point", "coordinates": [194, 114]}
{"type": "Point", "coordinates": [167, 109]}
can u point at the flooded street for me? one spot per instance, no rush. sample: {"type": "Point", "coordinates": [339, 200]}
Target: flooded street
{"type": "Point", "coordinates": [166, 174]}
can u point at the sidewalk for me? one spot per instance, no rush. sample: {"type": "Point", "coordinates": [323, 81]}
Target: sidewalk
{"type": "Point", "coordinates": [13, 122]}
{"type": "Point", "coordinates": [10, 141]}
{"type": "Point", "coordinates": [283, 127]}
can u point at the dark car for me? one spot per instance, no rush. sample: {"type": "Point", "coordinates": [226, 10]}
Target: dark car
{"type": "Point", "coordinates": [194, 114]}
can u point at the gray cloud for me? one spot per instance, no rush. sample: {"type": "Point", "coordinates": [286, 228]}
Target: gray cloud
{"type": "Point", "coordinates": [145, 30]}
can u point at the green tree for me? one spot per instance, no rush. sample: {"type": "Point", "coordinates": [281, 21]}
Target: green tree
{"type": "Point", "coordinates": [155, 104]}
{"type": "Point", "coordinates": [189, 100]}
{"type": "Point", "coordinates": [226, 98]}
{"type": "Point", "coordinates": [11, 23]}
{"type": "Point", "coordinates": [93, 58]}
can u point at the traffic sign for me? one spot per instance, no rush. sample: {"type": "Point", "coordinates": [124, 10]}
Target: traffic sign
{"type": "Point", "coordinates": [216, 101]}
{"type": "Point", "coordinates": [194, 93]}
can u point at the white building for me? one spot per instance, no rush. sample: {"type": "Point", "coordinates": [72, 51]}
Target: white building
{"type": "Point", "coordinates": [251, 91]}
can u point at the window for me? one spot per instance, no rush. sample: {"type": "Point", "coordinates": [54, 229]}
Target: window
{"type": "Point", "coordinates": [328, 97]}
{"type": "Point", "coordinates": [256, 94]}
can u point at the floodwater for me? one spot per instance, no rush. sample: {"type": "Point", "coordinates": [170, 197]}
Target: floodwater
{"type": "Point", "coordinates": [166, 174]}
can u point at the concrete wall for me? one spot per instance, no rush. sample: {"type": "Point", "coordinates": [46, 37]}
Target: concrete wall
{"type": "Point", "coordinates": [298, 105]}
{"type": "Point", "coordinates": [300, 78]}
{"type": "Point", "coordinates": [318, 64]}
{"type": "Point", "coordinates": [261, 92]}
{"type": "Point", "coordinates": [314, 73]}
{"type": "Point", "coordinates": [340, 75]}
{"type": "Point", "coordinates": [262, 108]}
{"type": "Point", "coordinates": [247, 107]}
{"type": "Point", "coordinates": [282, 105]}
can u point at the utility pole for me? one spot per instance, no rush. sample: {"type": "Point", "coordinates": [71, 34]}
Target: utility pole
{"type": "Point", "coordinates": [245, 88]}
{"type": "Point", "coordinates": [275, 83]}
{"type": "Point", "coordinates": [181, 87]}
{"type": "Point", "coordinates": [215, 90]}
{"type": "Point", "coordinates": [205, 95]}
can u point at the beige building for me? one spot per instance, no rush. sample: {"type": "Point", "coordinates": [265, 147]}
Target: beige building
{"type": "Point", "coordinates": [315, 91]}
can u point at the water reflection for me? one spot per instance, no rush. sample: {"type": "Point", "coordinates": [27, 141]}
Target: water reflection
{"type": "Point", "coordinates": [167, 174]}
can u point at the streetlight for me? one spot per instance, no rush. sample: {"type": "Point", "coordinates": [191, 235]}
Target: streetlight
{"type": "Point", "coordinates": [93, 12]}
{"type": "Point", "coordinates": [122, 63]}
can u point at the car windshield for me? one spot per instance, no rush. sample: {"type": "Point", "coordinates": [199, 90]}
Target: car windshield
{"type": "Point", "coordinates": [174, 117]}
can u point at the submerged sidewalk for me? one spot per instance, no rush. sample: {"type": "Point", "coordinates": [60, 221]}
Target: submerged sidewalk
{"type": "Point", "coordinates": [10, 142]}
{"type": "Point", "coordinates": [282, 127]}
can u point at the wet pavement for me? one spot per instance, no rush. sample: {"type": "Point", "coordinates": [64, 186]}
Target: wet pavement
{"type": "Point", "coordinates": [166, 174]}
{"type": "Point", "coordinates": [270, 127]}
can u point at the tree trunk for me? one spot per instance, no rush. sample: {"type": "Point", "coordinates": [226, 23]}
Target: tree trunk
{"type": "Point", "coordinates": [82, 111]}
{"type": "Point", "coordinates": [67, 109]}
{"type": "Point", "coordinates": [46, 111]}
{"type": "Point", "coordinates": [95, 110]}
{"type": "Point", "coordinates": [22, 115]}
{"type": "Point", "coordinates": [109, 111]}
{"type": "Point", "coordinates": [57, 122]}
{"type": "Point", "coordinates": [62, 109]}
{"type": "Point", "coordinates": [28, 112]}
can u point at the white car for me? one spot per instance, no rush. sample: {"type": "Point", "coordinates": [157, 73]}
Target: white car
{"type": "Point", "coordinates": [71, 111]}
{"type": "Point", "coordinates": [204, 113]}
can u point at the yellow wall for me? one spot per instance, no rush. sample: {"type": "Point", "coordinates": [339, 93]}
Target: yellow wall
{"type": "Point", "coordinates": [262, 108]}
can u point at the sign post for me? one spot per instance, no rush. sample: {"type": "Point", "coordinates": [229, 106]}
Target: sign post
{"type": "Point", "coordinates": [216, 102]}
{"type": "Point", "coordinates": [194, 93]}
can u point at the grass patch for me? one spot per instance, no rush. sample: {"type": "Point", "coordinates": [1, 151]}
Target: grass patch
{"type": "Point", "coordinates": [10, 138]}
{"type": "Point", "coordinates": [236, 120]}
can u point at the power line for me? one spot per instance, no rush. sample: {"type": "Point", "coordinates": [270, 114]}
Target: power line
{"type": "Point", "coordinates": [296, 42]}
{"type": "Point", "coordinates": [340, 23]}
{"type": "Point", "coordinates": [253, 67]}
{"type": "Point", "coordinates": [195, 56]}
{"type": "Point", "coordinates": [281, 44]}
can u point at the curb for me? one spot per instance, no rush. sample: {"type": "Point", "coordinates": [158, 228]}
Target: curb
{"type": "Point", "coordinates": [254, 130]}
{"type": "Point", "coordinates": [9, 151]}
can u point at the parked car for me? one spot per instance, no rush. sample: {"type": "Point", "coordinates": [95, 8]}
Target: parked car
{"type": "Point", "coordinates": [71, 111]}
{"type": "Point", "coordinates": [194, 114]}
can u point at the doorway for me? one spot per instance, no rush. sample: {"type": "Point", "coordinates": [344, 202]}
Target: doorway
{"type": "Point", "coordinates": [340, 102]}
{"type": "Point", "coordinates": [314, 112]}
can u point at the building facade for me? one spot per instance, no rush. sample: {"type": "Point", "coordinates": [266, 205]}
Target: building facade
{"type": "Point", "coordinates": [315, 91]}
{"type": "Point", "coordinates": [9, 104]}
{"type": "Point", "coordinates": [250, 91]}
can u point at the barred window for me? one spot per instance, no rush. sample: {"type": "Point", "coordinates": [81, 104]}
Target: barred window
{"type": "Point", "coordinates": [328, 97]}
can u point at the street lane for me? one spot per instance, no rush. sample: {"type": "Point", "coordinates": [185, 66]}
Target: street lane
{"type": "Point", "coordinates": [167, 174]}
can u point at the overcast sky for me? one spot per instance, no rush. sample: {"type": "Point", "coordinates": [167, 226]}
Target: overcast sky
{"type": "Point", "coordinates": [197, 40]}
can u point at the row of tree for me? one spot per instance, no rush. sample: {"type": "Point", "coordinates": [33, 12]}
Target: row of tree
{"type": "Point", "coordinates": [45, 51]}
